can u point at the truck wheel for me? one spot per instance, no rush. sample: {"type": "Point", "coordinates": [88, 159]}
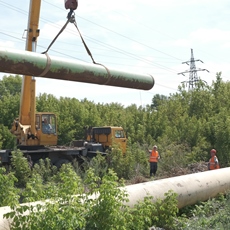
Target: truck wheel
{"type": "Point", "coordinates": [60, 162]}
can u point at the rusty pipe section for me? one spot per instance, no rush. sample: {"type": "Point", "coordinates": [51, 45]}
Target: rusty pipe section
{"type": "Point", "coordinates": [42, 65]}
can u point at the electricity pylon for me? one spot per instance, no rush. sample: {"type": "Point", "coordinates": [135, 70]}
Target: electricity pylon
{"type": "Point", "coordinates": [193, 78]}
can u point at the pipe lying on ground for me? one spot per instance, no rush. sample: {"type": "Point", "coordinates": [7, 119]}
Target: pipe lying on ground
{"type": "Point", "coordinates": [42, 65]}
{"type": "Point", "coordinates": [190, 188]}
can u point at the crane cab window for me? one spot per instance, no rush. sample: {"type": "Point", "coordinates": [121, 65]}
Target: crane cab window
{"type": "Point", "coordinates": [119, 134]}
{"type": "Point", "coordinates": [48, 123]}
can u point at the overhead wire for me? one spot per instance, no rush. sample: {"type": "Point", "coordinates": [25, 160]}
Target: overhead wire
{"type": "Point", "coordinates": [150, 47]}
{"type": "Point", "coordinates": [25, 13]}
{"type": "Point", "coordinates": [13, 7]}
{"type": "Point", "coordinates": [116, 49]}
{"type": "Point", "coordinates": [103, 44]}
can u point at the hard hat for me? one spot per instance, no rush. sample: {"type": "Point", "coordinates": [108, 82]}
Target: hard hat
{"type": "Point", "coordinates": [155, 146]}
{"type": "Point", "coordinates": [213, 151]}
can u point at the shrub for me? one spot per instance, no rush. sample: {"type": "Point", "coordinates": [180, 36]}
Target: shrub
{"type": "Point", "coordinates": [20, 167]}
{"type": "Point", "coordinates": [9, 193]}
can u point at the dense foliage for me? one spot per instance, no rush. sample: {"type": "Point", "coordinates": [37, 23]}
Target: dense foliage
{"type": "Point", "coordinates": [213, 214]}
{"type": "Point", "coordinates": [184, 125]}
{"type": "Point", "coordinates": [189, 121]}
{"type": "Point", "coordinates": [100, 202]}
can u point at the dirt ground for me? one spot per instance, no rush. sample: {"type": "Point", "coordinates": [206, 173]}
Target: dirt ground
{"type": "Point", "coordinates": [192, 168]}
{"type": "Point", "coordinates": [177, 171]}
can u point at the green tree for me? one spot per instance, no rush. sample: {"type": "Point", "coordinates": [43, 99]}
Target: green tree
{"type": "Point", "coordinates": [7, 140]}
{"type": "Point", "coordinates": [157, 100]}
{"type": "Point", "coordinates": [20, 168]}
{"type": "Point", "coordinates": [222, 137]}
{"type": "Point", "coordinates": [10, 85]}
{"type": "Point", "coordinates": [9, 107]}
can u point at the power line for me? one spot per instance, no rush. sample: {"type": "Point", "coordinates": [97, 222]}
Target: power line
{"type": "Point", "coordinates": [115, 49]}
{"type": "Point", "coordinates": [150, 47]}
{"type": "Point", "coordinates": [107, 46]}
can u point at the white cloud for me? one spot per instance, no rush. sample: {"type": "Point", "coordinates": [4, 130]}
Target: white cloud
{"type": "Point", "coordinates": [203, 36]}
{"type": "Point", "coordinates": [180, 3]}
{"type": "Point", "coordinates": [9, 44]}
{"type": "Point", "coordinates": [182, 43]}
{"type": "Point", "coordinates": [50, 30]}
{"type": "Point", "coordinates": [210, 35]}
{"type": "Point", "coordinates": [226, 45]}
{"type": "Point", "coordinates": [103, 6]}
{"type": "Point", "coordinates": [136, 46]}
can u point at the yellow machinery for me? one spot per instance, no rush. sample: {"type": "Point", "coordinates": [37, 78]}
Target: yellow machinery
{"type": "Point", "coordinates": [108, 136]}
{"type": "Point", "coordinates": [36, 133]}
{"type": "Point", "coordinates": [29, 127]}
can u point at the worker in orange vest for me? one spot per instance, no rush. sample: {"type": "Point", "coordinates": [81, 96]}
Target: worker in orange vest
{"type": "Point", "coordinates": [213, 162]}
{"type": "Point", "coordinates": [153, 159]}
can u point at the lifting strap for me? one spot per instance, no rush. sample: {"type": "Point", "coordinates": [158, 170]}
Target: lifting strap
{"type": "Point", "coordinates": [62, 29]}
{"type": "Point", "coordinates": [71, 19]}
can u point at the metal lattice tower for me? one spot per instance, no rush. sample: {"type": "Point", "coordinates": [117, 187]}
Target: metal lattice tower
{"type": "Point", "coordinates": [193, 78]}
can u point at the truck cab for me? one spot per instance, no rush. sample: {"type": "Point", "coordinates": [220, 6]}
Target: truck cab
{"type": "Point", "coordinates": [108, 136]}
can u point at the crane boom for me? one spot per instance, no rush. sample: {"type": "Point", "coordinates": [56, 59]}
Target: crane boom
{"type": "Point", "coordinates": [27, 102]}
{"type": "Point", "coordinates": [28, 128]}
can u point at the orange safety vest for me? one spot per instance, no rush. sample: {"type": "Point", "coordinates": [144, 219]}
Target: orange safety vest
{"type": "Point", "coordinates": [213, 163]}
{"type": "Point", "coordinates": [154, 156]}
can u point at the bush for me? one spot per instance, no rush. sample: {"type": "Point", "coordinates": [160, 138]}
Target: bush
{"type": "Point", "coordinates": [133, 163]}
{"type": "Point", "coordinates": [213, 214]}
{"type": "Point", "coordinates": [9, 193]}
{"type": "Point", "coordinates": [102, 207]}
{"type": "Point", "coordinates": [20, 167]}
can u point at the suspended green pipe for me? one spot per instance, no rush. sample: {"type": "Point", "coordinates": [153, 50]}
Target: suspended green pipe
{"type": "Point", "coordinates": [42, 65]}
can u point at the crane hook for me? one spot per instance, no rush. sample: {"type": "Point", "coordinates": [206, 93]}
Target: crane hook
{"type": "Point", "coordinates": [72, 5]}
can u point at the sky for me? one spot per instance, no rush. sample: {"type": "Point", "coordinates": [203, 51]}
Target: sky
{"type": "Point", "coordinates": [147, 36]}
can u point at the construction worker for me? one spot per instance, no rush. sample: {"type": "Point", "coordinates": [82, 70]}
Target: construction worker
{"type": "Point", "coordinates": [153, 159]}
{"type": "Point", "coordinates": [213, 162]}
{"type": "Point", "coordinates": [46, 127]}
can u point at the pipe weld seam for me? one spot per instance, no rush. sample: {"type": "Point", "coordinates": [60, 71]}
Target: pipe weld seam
{"type": "Point", "coordinates": [47, 68]}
